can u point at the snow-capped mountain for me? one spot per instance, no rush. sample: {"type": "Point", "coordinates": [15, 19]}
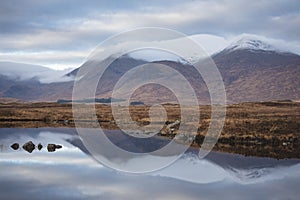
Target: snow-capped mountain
{"type": "Point", "coordinates": [214, 44]}
{"type": "Point", "coordinates": [253, 69]}
{"type": "Point", "coordinates": [251, 44]}
{"type": "Point", "coordinates": [256, 43]}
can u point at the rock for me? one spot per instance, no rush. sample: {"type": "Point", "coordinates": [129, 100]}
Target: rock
{"type": "Point", "coordinates": [15, 146]}
{"type": "Point", "coordinates": [284, 144]}
{"type": "Point", "coordinates": [53, 147]}
{"type": "Point", "coordinates": [40, 146]}
{"type": "Point", "coordinates": [29, 147]}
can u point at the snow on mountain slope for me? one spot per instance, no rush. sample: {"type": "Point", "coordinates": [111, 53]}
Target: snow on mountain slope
{"type": "Point", "coordinates": [214, 44]}
{"type": "Point", "coordinates": [255, 43]}
{"type": "Point", "coordinates": [22, 72]}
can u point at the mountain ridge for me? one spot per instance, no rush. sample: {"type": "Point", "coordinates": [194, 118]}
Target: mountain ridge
{"type": "Point", "coordinates": [261, 73]}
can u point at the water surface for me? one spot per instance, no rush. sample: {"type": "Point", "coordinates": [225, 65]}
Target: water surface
{"type": "Point", "coordinates": [71, 173]}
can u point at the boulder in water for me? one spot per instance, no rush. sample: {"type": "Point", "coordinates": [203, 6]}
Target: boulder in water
{"type": "Point", "coordinates": [40, 146]}
{"type": "Point", "coordinates": [53, 147]}
{"type": "Point", "coordinates": [29, 146]}
{"type": "Point", "coordinates": [15, 146]}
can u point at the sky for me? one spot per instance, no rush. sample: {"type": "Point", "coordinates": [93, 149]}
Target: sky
{"type": "Point", "coordinates": [62, 33]}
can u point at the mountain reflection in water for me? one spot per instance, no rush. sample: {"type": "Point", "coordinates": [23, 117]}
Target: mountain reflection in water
{"type": "Point", "coordinates": [71, 173]}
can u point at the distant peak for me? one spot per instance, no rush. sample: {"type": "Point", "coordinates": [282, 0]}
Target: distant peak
{"type": "Point", "coordinates": [250, 43]}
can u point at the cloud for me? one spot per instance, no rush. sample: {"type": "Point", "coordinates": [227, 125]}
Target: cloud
{"type": "Point", "coordinates": [59, 60]}
{"type": "Point", "coordinates": [211, 43]}
{"type": "Point", "coordinates": [21, 71]}
{"type": "Point", "coordinates": [64, 26]}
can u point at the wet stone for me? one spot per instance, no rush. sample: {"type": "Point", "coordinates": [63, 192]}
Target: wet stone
{"type": "Point", "coordinates": [29, 147]}
{"type": "Point", "coordinates": [40, 146]}
{"type": "Point", "coordinates": [15, 146]}
{"type": "Point", "coordinates": [53, 147]}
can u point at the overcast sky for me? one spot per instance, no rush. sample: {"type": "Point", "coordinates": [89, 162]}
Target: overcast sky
{"type": "Point", "coordinates": [62, 33]}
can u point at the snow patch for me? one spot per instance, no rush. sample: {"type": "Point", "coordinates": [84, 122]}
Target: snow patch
{"type": "Point", "coordinates": [256, 43]}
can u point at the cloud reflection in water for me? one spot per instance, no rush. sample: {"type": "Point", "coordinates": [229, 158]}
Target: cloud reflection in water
{"type": "Point", "coordinates": [71, 174]}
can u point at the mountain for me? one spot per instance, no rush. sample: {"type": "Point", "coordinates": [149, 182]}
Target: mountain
{"type": "Point", "coordinates": [256, 71]}
{"type": "Point", "coordinates": [33, 82]}
{"type": "Point", "coordinates": [150, 93]}
{"type": "Point", "coordinates": [252, 70]}
{"type": "Point", "coordinates": [251, 43]}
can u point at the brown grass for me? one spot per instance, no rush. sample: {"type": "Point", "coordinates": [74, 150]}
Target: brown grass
{"type": "Point", "coordinates": [261, 129]}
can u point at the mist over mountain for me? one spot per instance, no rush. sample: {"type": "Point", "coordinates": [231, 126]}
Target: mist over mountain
{"type": "Point", "coordinates": [252, 70]}
{"type": "Point", "coordinates": [24, 72]}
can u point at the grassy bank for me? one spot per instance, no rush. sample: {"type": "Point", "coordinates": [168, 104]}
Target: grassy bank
{"type": "Point", "coordinates": [269, 129]}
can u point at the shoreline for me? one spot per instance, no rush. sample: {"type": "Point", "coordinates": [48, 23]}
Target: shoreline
{"type": "Point", "coordinates": [194, 147]}
{"type": "Point", "coordinates": [265, 129]}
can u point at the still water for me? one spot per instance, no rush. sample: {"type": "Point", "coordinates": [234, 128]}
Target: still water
{"type": "Point", "coordinates": [71, 173]}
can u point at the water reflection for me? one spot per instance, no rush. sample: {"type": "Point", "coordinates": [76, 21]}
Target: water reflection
{"type": "Point", "coordinates": [71, 174]}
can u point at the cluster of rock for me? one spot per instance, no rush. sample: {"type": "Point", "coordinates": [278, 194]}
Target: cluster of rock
{"type": "Point", "coordinates": [170, 129]}
{"type": "Point", "coordinates": [30, 146]}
